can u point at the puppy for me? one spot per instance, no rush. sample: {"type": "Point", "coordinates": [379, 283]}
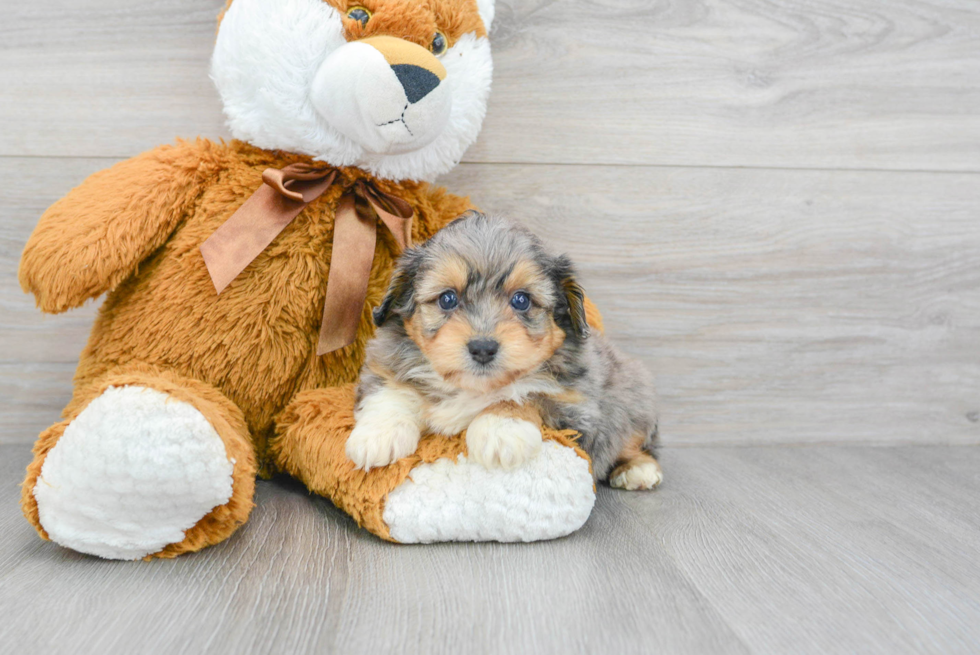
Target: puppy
{"type": "Point", "coordinates": [483, 330]}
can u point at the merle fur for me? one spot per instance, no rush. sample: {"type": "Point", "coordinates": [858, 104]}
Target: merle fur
{"type": "Point", "coordinates": [616, 399]}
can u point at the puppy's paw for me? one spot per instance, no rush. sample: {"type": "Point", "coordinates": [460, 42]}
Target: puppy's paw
{"type": "Point", "coordinates": [379, 440]}
{"type": "Point", "coordinates": [635, 476]}
{"type": "Point", "coordinates": [502, 441]}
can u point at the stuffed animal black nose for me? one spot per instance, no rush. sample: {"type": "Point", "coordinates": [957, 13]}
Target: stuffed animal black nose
{"type": "Point", "coordinates": [483, 350]}
{"type": "Point", "coordinates": [417, 81]}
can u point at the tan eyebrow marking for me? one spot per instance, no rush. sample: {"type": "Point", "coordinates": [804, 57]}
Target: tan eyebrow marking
{"type": "Point", "coordinates": [449, 273]}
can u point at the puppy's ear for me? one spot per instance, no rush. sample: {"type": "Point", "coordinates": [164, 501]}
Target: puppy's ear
{"type": "Point", "coordinates": [401, 292]}
{"type": "Point", "coordinates": [570, 308]}
{"type": "Point", "coordinates": [469, 214]}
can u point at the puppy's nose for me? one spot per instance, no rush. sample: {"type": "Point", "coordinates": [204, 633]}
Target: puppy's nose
{"type": "Point", "coordinates": [483, 350]}
{"type": "Point", "coordinates": [416, 81]}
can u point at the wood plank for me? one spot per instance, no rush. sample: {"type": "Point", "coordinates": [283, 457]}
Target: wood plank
{"type": "Point", "coordinates": [33, 397]}
{"type": "Point", "coordinates": [300, 578]}
{"type": "Point", "coordinates": [743, 550]}
{"type": "Point", "coordinates": [824, 84]}
{"type": "Point", "coordinates": [939, 501]}
{"type": "Point", "coordinates": [106, 78]}
{"type": "Point", "coordinates": [28, 335]}
{"type": "Point", "coordinates": [797, 558]}
{"type": "Point", "coordinates": [38, 352]}
{"type": "Point", "coordinates": [773, 306]}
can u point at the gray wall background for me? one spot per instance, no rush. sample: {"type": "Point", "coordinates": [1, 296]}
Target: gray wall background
{"type": "Point", "coordinates": [775, 204]}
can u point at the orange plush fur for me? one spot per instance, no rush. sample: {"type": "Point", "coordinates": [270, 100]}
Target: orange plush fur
{"type": "Point", "coordinates": [412, 22]}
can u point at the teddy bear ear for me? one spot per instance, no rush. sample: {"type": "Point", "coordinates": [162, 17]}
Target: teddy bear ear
{"type": "Point", "coordinates": [486, 8]}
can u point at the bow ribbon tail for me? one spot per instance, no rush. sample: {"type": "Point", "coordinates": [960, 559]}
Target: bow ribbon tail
{"type": "Point", "coordinates": [267, 212]}
{"type": "Point", "coordinates": [354, 240]}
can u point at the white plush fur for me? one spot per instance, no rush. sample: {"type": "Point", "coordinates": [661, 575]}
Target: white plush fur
{"type": "Point", "coordinates": [358, 93]}
{"type": "Point", "coordinates": [642, 476]}
{"type": "Point", "coordinates": [386, 428]}
{"type": "Point", "coordinates": [267, 66]}
{"type": "Point", "coordinates": [550, 497]}
{"type": "Point", "coordinates": [502, 441]}
{"type": "Point", "coordinates": [131, 474]}
{"type": "Point", "coordinates": [486, 8]}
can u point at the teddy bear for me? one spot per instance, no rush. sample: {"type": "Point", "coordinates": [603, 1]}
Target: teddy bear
{"type": "Point", "coordinates": [239, 280]}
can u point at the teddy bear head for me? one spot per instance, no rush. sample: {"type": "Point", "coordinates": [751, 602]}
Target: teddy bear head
{"type": "Point", "coordinates": [398, 88]}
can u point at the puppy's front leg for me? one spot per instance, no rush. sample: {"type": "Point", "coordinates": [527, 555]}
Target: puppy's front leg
{"type": "Point", "coordinates": [504, 435]}
{"type": "Point", "coordinates": [386, 428]}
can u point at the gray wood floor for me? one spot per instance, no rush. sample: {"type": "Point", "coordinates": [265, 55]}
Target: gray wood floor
{"type": "Point", "coordinates": [775, 203]}
{"type": "Point", "coordinates": [814, 549]}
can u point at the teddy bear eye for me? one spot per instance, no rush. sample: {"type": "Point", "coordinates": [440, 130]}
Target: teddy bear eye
{"type": "Point", "coordinates": [448, 300]}
{"type": "Point", "coordinates": [360, 14]}
{"type": "Point", "coordinates": [438, 44]}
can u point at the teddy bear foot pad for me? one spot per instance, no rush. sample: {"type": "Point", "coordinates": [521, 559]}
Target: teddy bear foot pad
{"type": "Point", "coordinates": [549, 497]}
{"type": "Point", "coordinates": [131, 474]}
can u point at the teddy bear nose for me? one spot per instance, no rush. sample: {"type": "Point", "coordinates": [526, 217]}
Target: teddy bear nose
{"type": "Point", "coordinates": [417, 81]}
{"type": "Point", "coordinates": [483, 350]}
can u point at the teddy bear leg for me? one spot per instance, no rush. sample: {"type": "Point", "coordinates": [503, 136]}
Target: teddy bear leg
{"type": "Point", "coordinates": [435, 494]}
{"type": "Point", "coordinates": [147, 465]}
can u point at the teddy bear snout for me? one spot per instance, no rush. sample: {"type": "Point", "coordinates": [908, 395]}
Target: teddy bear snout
{"type": "Point", "coordinates": [416, 81]}
{"type": "Point", "coordinates": [385, 94]}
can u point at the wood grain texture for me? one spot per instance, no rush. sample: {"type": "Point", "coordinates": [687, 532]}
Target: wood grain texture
{"type": "Point", "coordinates": [817, 550]}
{"type": "Point", "coordinates": [652, 141]}
{"type": "Point", "coordinates": [827, 84]}
{"type": "Point", "coordinates": [773, 306]}
{"type": "Point", "coordinates": [796, 550]}
{"type": "Point", "coordinates": [38, 352]}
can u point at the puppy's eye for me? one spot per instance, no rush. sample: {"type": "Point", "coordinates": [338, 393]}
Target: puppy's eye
{"type": "Point", "coordinates": [360, 14]}
{"type": "Point", "coordinates": [520, 301]}
{"type": "Point", "coordinates": [439, 44]}
{"type": "Point", "coordinates": [448, 300]}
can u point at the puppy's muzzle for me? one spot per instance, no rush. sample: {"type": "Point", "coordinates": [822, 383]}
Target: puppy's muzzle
{"type": "Point", "coordinates": [483, 351]}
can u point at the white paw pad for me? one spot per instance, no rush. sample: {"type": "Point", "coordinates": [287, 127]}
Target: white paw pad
{"type": "Point", "coordinates": [640, 476]}
{"type": "Point", "coordinates": [378, 441]}
{"type": "Point", "coordinates": [131, 474]}
{"type": "Point", "coordinates": [502, 441]}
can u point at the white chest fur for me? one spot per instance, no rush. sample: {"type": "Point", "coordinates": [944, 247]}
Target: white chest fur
{"type": "Point", "coordinates": [452, 415]}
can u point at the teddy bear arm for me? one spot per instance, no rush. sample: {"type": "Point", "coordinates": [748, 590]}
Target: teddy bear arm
{"type": "Point", "coordinates": [96, 236]}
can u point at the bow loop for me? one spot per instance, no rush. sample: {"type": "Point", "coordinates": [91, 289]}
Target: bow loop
{"type": "Point", "coordinates": [300, 182]}
{"type": "Point", "coordinates": [283, 196]}
{"type": "Point", "coordinates": [395, 212]}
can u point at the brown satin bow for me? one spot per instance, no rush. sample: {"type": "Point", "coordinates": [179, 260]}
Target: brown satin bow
{"type": "Point", "coordinates": [285, 194]}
